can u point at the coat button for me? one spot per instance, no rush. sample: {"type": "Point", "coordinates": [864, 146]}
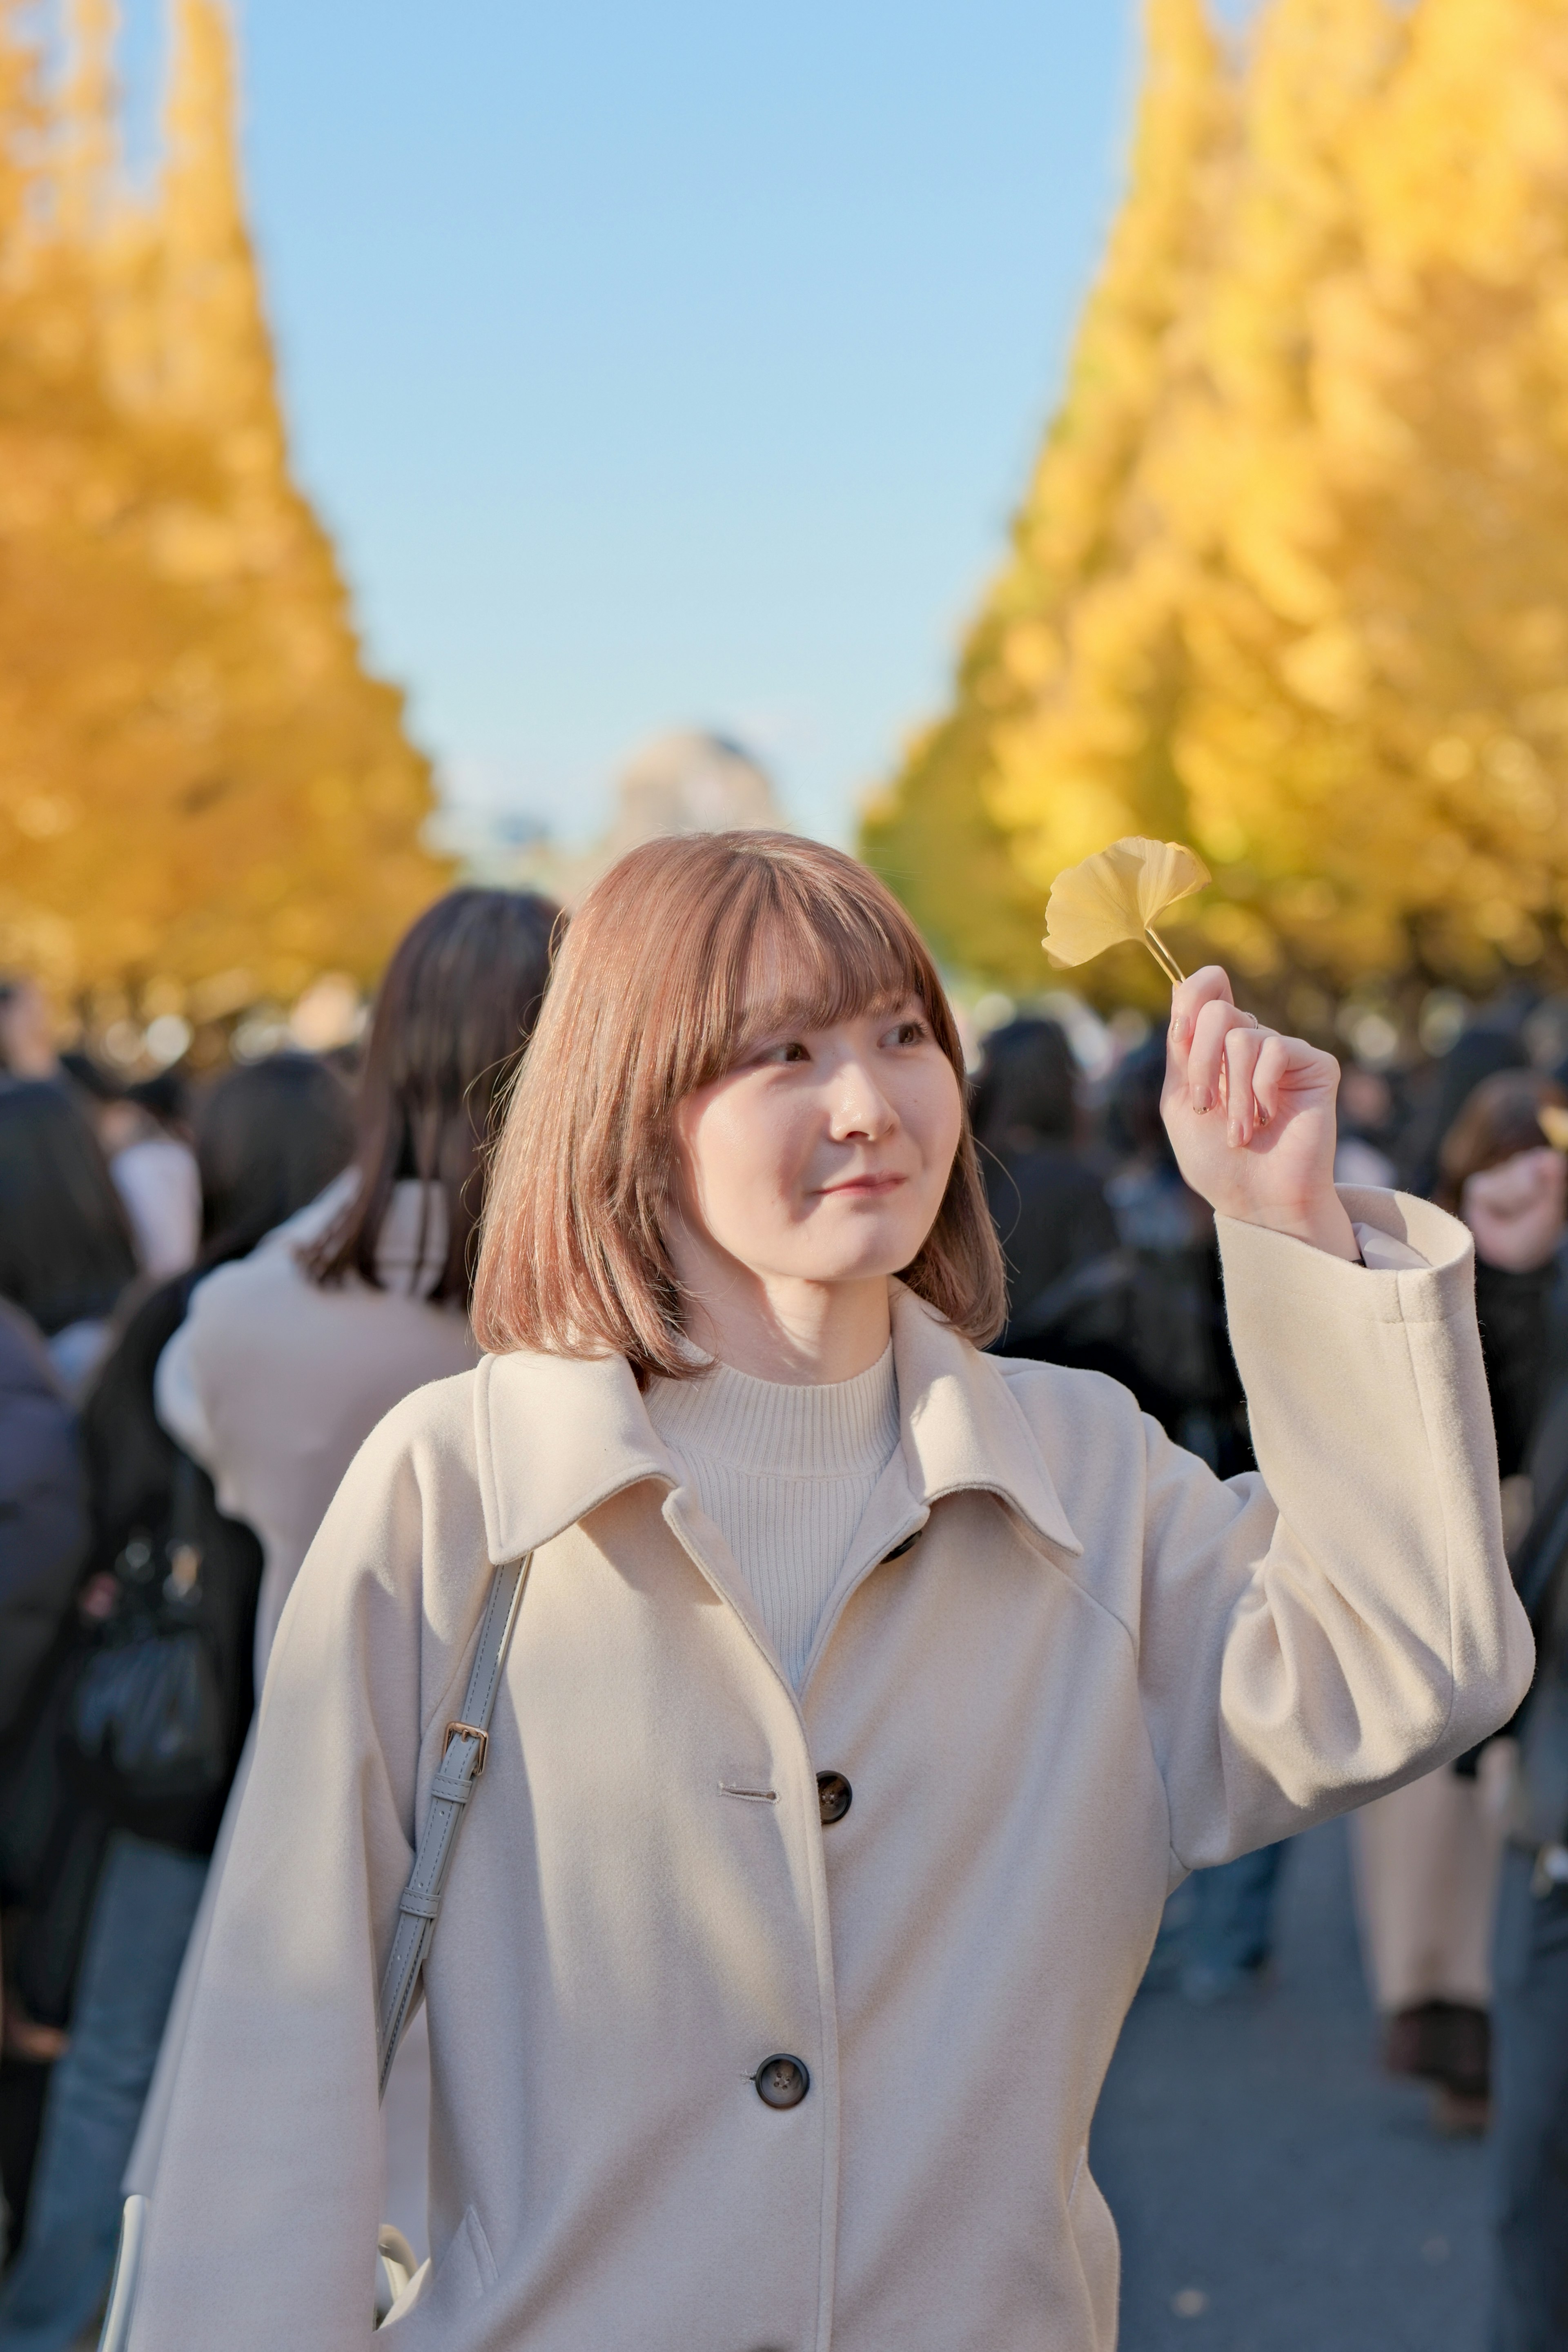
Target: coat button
{"type": "Point", "coordinates": [782, 2081]}
{"type": "Point", "coordinates": [834, 1797]}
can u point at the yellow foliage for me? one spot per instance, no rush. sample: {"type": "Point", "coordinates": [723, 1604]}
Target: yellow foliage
{"type": "Point", "coordinates": [203, 796]}
{"type": "Point", "coordinates": [1291, 581]}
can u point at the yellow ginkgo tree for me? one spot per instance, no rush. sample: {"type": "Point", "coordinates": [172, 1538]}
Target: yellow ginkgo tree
{"type": "Point", "coordinates": [1291, 581]}
{"type": "Point", "coordinates": [205, 798]}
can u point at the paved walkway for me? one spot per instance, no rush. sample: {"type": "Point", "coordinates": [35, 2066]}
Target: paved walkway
{"type": "Point", "coordinates": [1274, 2192]}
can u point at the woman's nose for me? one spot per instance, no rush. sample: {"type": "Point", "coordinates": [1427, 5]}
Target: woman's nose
{"type": "Point", "coordinates": [859, 1104]}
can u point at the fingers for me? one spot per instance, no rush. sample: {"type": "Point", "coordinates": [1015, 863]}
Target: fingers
{"type": "Point", "coordinates": [1269, 1075]}
{"type": "Point", "coordinates": [1243, 1052]}
{"type": "Point", "coordinates": [1208, 1061]}
{"type": "Point", "coordinates": [1209, 986]}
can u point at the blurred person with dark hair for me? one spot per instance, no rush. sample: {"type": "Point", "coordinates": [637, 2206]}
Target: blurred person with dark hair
{"type": "Point", "coordinates": [66, 1248]}
{"type": "Point", "coordinates": [1427, 1855]}
{"type": "Point", "coordinates": [267, 1139]}
{"type": "Point", "coordinates": [1366, 1122]}
{"type": "Point", "coordinates": [1490, 1045]}
{"type": "Point", "coordinates": [1160, 1304]}
{"type": "Point", "coordinates": [1047, 1203]}
{"type": "Point", "coordinates": [1529, 2145]}
{"type": "Point", "coordinates": [144, 1129]}
{"type": "Point", "coordinates": [43, 1509]}
{"type": "Point", "coordinates": [27, 1030]}
{"type": "Point", "coordinates": [155, 1173]}
{"type": "Point", "coordinates": [288, 1362]}
{"type": "Point", "coordinates": [1511, 1192]}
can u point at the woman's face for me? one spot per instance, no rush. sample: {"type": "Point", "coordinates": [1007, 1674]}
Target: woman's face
{"type": "Point", "coordinates": [1516, 1209]}
{"type": "Point", "coordinates": [823, 1158]}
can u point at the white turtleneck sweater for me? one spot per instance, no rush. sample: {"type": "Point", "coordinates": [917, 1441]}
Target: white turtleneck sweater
{"type": "Point", "coordinates": [785, 1473]}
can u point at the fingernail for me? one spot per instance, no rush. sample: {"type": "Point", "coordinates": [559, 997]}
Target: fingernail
{"type": "Point", "coordinates": [1233, 1135]}
{"type": "Point", "coordinates": [1202, 1099]}
{"type": "Point", "coordinates": [1178, 1028]}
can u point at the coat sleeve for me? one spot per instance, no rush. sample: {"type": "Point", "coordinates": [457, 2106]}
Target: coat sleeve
{"type": "Point", "coordinates": [263, 2224]}
{"type": "Point", "coordinates": [1314, 1634]}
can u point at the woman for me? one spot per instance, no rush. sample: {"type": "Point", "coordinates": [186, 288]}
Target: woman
{"type": "Point", "coordinates": [287, 1362]}
{"type": "Point", "coordinates": [867, 1696]}
{"type": "Point", "coordinates": [1427, 1855]}
{"type": "Point", "coordinates": [267, 1138]}
{"type": "Point", "coordinates": [66, 1251]}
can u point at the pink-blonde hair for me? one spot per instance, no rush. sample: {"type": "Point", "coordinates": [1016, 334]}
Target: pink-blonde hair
{"type": "Point", "coordinates": [678, 962]}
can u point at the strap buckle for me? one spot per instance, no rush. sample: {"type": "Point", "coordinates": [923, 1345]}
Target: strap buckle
{"type": "Point", "coordinates": [470, 1731]}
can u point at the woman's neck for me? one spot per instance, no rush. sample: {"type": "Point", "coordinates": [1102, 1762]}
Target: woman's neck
{"type": "Point", "coordinates": [799, 1333]}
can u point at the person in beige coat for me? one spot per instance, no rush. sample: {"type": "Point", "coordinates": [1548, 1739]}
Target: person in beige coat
{"type": "Point", "coordinates": [867, 1698]}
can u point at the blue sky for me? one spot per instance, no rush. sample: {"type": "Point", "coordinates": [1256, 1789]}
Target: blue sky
{"type": "Point", "coordinates": [675, 364]}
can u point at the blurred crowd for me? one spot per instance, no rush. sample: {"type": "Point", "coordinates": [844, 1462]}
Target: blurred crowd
{"type": "Point", "coordinates": [209, 1295]}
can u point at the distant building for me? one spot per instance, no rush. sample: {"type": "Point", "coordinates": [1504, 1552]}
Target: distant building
{"type": "Point", "coordinates": [687, 783]}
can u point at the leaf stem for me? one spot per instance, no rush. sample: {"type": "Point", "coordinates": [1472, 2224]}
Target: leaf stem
{"type": "Point", "coordinates": [1163, 955]}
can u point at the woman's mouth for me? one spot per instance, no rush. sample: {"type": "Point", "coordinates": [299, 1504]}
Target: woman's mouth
{"type": "Point", "coordinates": [865, 1188]}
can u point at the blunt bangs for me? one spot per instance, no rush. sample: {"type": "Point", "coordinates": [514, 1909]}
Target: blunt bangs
{"type": "Point", "coordinates": [686, 957]}
{"type": "Point", "coordinates": [791, 955]}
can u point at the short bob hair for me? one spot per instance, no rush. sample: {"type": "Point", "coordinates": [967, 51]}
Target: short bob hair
{"type": "Point", "coordinates": [687, 954]}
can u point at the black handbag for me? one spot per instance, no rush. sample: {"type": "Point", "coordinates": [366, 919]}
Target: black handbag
{"type": "Point", "coordinates": [161, 1699]}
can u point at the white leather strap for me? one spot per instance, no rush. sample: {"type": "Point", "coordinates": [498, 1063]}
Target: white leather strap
{"type": "Point", "coordinates": [461, 1764]}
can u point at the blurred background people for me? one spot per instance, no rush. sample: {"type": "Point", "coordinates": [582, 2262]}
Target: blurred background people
{"type": "Point", "coordinates": [43, 1541]}
{"type": "Point", "coordinates": [1047, 1202]}
{"type": "Point", "coordinates": [1529, 2152]}
{"type": "Point", "coordinates": [27, 1030]}
{"type": "Point", "coordinates": [66, 1247]}
{"type": "Point", "coordinates": [287, 1362]}
{"type": "Point", "coordinates": [43, 1509]}
{"type": "Point", "coordinates": [171, 1588]}
{"type": "Point", "coordinates": [144, 1129]}
{"type": "Point", "coordinates": [1427, 1857]}
{"type": "Point", "coordinates": [1366, 1128]}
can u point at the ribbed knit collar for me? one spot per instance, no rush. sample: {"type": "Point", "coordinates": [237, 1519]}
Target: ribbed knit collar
{"type": "Point", "coordinates": [844, 1429]}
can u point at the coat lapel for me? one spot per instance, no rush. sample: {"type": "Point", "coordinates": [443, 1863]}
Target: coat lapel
{"type": "Point", "coordinates": [556, 1436]}
{"type": "Point", "coordinates": [962, 1429]}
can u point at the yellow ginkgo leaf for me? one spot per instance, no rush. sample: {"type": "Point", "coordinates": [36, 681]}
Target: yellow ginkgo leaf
{"type": "Point", "coordinates": [1555, 1125]}
{"type": "Point", "coordinates": [1116, 896]}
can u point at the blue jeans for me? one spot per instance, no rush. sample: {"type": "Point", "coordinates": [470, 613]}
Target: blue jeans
{"type": "Point", "coordinates": [1529, 2114]}
{"type": "Point", "coordinates": [141, 1920]}
{"type": "Point", "coordinates": [1230, 1929]}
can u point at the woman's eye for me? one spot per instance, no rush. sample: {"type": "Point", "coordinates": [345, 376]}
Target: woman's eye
{"type": "Point", "coordinates": [910, 1033]}
{"type": "Point", "coordinates": [791, 1051]}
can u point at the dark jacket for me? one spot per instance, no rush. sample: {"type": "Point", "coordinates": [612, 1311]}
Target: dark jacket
{"type": "Point", "coordinates": [43, 1509]}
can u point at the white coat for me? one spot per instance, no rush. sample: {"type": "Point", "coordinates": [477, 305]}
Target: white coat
{"type": "Point", "coordinates": [1097, 1667]}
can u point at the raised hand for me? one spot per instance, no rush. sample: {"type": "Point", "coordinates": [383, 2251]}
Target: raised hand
{"type": "Point", "coordinates": [1250, 1116]}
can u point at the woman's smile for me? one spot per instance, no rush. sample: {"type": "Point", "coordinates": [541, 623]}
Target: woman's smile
{"type": "Point", "coordinates": [873, 1187]}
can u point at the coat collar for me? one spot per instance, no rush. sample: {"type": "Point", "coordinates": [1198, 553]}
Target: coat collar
{"type": "Point", "coordinates": [556, 1436]}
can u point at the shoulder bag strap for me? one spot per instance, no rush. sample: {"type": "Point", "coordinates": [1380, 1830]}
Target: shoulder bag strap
{"type": "Point", "coordinates": [462, 1761]}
